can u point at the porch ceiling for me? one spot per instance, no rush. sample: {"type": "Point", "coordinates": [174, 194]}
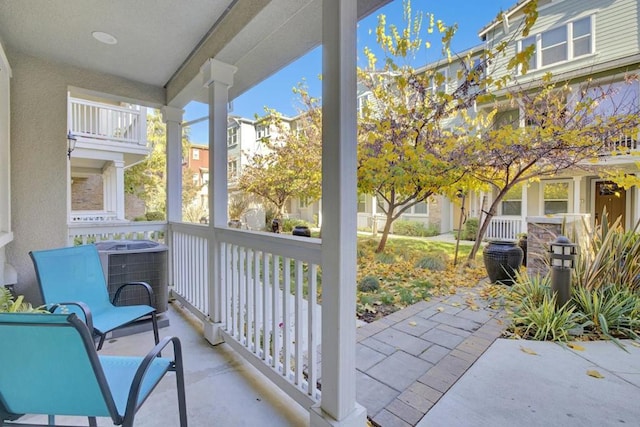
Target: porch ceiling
{"type": "Point", "coordinates": [164, 42]}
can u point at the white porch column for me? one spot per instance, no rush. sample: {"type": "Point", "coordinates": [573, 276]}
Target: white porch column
{"type": "Point", "coordinates": [635, 211]}
{"type": "Point", "coordinates": [338, 406]}
{"type": "Point", "coordinates": [117, 192]}
{"type": "Point", "coordinates": [113, 188]}
{"type": "Point", "coordinates": [173, 118]}
{"type": "Point", "coordinates": [218, 78]}
{"type": "Point", "coordinates": [577, 194]}
{"type": "Point", "coordinates": [524, 204]}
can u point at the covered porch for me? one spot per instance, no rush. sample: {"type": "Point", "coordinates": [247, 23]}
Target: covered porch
{"type": "Point", "coordinates": [255, 292]}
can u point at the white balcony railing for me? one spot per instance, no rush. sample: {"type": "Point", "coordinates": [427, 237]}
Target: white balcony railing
{"type": "Point", "coordinates": [107, 122]}
{"type": "Point", "coordinates": [91, 232]}
{"type": "Point", "coordinates": [505, 228]}
{"type": "Point", "coordinates": [268, 299]}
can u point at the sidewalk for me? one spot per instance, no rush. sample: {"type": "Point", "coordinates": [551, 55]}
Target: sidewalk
{"type": "Point", "coordinates": [509, 386]}
{"type": "Point", "coordinates": [406, 361]}
{"type": "Point", "coordinates": [439, 363]}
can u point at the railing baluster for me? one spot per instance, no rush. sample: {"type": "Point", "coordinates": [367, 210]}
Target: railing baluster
{"type": "Point", "coordinates": [275, 311]}
{"type": "Point", "coordinates": [312, 346]}
{"type": "Point", "coordinates": [266, 353]}
{"type": "Point", "coordinates": [257, 304]}
{"type": "Point", "coordinates": [299, 307]}
{"type": "Point", "coordinates": [286, 316]}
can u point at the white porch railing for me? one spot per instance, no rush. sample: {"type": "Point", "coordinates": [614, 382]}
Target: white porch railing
{"type": "Point", "coordinates": [505, 228]}
{"type": "Point", "coordinates": [108, 122]}
{"type": "Point", "coordinates": [93, 216]}
{"type": "Point", "coordinates": [268, 299]}
{"type": "Point", "coordinates": [90, 232]}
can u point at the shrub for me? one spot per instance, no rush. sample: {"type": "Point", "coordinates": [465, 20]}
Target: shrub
{"type": "Point", "coordinates": [609, 311]}
{"type": "Point", "coordinates": [369, 284]}
{"type": "Point", "coordinates": [385, 258]}
{"type": "Point", "coordinates": [545, 322]}
{"type": "Point", "coordinates": [9, 304]}
{"type": "Point", "coordinates": [154, 216]}
{"type": "Point", "coordinates": [289, 223]}
{"type": "Point", "coordinates": [470, 229]}
{"type": "Point", "coordinates": [608, 254]}
{"type": "Point", "coordinates": [434, 261]}
{"type": "Point", "coordinates": [414, 228]}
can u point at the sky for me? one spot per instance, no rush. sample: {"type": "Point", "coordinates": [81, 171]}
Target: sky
{"type": "Point", "coordinates": [276, 91]}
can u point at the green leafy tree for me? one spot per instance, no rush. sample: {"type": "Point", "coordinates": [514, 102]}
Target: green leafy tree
{"type": "Point", "coordinates": [288, 163]}
{"type": "Point", "coordinates": [147, 179]}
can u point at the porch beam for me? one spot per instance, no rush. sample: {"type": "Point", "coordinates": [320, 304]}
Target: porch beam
{"type": "Point", "coordinates": [173, 118]}
{"type": "Point", "coordinates": [338, 405]}
{"type": "Point", "coordinates": [218, 79]}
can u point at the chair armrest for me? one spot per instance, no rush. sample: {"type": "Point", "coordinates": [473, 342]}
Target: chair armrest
{"type": "Point", "coordinates": [86, 311]}
{"type": "Point", "coordinates": [145, 285]}
{"type": "Point", "coordinates": [144, 366]}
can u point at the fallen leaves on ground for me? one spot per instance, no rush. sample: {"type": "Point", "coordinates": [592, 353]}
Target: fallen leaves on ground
{"type": "Point", "coordinates": [575, 346]}
{"type": "Point", "coordinates": [528, 351]}
{"type": "Point", "coordinates": [595, 374]}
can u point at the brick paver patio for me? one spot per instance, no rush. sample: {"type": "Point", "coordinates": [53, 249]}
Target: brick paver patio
{"type": "Point", "coordinates": [406, 361]}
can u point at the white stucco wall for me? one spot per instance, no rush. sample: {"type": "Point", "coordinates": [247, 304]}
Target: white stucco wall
{"type": "Point", "coordinates": [38, 152]}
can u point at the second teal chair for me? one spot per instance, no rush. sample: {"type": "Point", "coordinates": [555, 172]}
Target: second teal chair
{"type": "Point", "coordinates": [73, 276]}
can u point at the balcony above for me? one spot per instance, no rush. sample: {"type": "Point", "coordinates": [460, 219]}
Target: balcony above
{"type": "Point", "coordinates": [106, 132]}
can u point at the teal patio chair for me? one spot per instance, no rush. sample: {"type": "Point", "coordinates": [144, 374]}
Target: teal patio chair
{"type": "Point", "coordinates": [73, 277]}
{"type": "Point", "coordinates": [50, 367]}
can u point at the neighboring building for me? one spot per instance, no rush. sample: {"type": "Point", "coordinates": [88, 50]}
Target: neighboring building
{"type": "Point", "coordinates": [244, 138]}
{"type": "Point", "coordinates": [575, 40]}
{"type": "Point", "coordinates": [105, 138]}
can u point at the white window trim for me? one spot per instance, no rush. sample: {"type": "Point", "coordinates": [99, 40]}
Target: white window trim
{"type": "Point", "coordinates": [570, 208]}
{"type": "Point", "coordinates": [195, 154]}
{"type": "Point", "coordinates": [232, 136]}
{"type": "Point", "coordinates": [569, 41]}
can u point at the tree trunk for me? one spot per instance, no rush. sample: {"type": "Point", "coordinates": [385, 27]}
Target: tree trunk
{"type": "Point", "coordinates": [385, 232]}
{"type": "Point", "coordinates": [482, 231]}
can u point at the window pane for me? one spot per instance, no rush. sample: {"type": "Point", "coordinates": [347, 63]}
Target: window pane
{"type": "Point", "coordinates": [512, 207]}
{"type": "Point", "coordinates": [361, 203]}
{"type": "Point", "coordinates": [582, 27]}
{"type": "Point", "coordinates": [555, 207]}
{"type": "Point", "coordinates": [420, 208]}
{"type": "Point", "coordinates": [554, 54]}
{"type": "Point", "coordinates": [582, 46]}
{"type": "Point", "coordinates": [533, 63]}
{"type": "Point", "coordinates": [515, 193]}
{"type": "Point", "coordinates": [556, 191]}
{"type": "Point", "coordinates": [554, 37]}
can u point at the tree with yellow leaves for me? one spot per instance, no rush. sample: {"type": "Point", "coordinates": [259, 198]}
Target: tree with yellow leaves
{"type": "Point", "coordinates": [412, 119]}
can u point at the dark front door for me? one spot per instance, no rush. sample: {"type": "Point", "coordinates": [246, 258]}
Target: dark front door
{"type": "Point", "coordinates": [611, 197]}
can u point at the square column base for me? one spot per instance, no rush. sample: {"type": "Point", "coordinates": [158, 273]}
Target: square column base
{"type": "Point", "coordinates": [319, 418]}
{"type": "Point", "coordinates": [212, 332]}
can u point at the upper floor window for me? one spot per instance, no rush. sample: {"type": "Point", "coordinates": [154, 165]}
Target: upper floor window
{"type": "Point", "coordinates": [556, 197]}
{"type": "Point", "coordinates": [570, 41]}
{"type": "Point", "coordinates": [232, 136]}
{"type": "Point", "coordinates": [195, 154]}
{"type": "Point", "coordinates": [262, 131]}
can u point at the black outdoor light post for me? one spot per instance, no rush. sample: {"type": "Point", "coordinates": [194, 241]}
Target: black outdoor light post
{"type": "Point", "coordinates": [562, 257]}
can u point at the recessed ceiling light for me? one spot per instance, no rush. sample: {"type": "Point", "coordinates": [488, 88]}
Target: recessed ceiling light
{"type": "Point", "coordinates": [105, 38]}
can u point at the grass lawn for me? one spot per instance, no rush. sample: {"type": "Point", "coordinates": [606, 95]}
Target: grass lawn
{"type": "Point", "coordinates": [410, 270]}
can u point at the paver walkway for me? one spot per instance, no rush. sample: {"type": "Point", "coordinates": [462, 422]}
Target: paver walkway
{"type": "Point", "coordinates": [406, 361]}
